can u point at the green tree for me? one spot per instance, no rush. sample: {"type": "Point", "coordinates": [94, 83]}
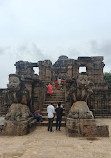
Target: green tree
{"type": "Point", "coordinates": [107, 78]}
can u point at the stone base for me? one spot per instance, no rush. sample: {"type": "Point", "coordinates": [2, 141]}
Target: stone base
{"type": "Point", "coordinates": [86, 128]}
{"type": "Point", "coordinates": [15, 128]}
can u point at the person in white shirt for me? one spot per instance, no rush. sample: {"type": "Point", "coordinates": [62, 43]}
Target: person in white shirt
{"type": "Point", "coordinates": [51, 115]}
{"type": "Point", "coordinates": [59, 81]}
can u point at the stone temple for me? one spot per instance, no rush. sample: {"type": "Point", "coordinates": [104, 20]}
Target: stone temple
{"type": "Point", "coordinates": [29, 89]}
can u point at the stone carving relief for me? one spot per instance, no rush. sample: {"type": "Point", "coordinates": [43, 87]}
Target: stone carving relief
{"type": "Point", "coordinates": [14, 83]}
{"type": "Point", "coordinates": [18, 93]}
{"type": "Point", "coordinates": [80, 91]}
{"type": "Point", "coordinates": [18, 112]}
{"type": "Point", "coordinates": [81, 88]}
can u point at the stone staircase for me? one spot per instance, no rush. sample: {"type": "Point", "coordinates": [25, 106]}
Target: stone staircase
{"type": "Point", "coordinates": [4, 110]}
{"type": "Point", "coordinates": [57, 96]}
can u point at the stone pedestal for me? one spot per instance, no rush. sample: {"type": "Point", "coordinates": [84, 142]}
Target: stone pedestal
{"type": "Point", "coordinates": [86, 128]}
{"type": "Point", "coordinates": [15, 128]}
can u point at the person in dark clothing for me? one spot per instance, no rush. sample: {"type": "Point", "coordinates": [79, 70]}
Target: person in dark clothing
{"type": "Point", "coordinates": [37, 116]}
{"type": "Point", "coordinates": [59, 111]}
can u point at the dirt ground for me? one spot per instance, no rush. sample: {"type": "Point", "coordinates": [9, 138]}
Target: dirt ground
{"type": "Point", "coordinates": [43, 144]}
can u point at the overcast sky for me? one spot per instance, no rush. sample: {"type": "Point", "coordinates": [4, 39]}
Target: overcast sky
{"type": "Point", "coordinates": [33, 30]}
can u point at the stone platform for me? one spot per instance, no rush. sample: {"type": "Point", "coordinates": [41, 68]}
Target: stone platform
{"type": "Point", "coordinates": [17, 128]}
{"type": "Point", "coordinates": [86, 128]}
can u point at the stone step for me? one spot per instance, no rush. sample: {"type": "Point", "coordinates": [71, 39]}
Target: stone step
{"type": "Point", "coordinates": [45, 109]}
{"type": "Point", "coordinates": [58, 91]}
{"type": "Point", "coordinates": [3, 113]}
{"type": "Point", "coordinates": [55, 105]}
{"type": "Point", "coordinates": [102, 116]}
{"type": "Point", "coordinates": [53, 101]}
{"type": "Point", "coordinates": [55, 97]}
{"type": "Point", "coordinates": [44, 113]}
{"type": "Point", "coordinates": [46, 118]}
{"type": "Point", "coordinates": [45, 123]}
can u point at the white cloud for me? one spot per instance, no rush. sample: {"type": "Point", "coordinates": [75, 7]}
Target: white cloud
{"type": "Point", "coordinates": [31, 29]}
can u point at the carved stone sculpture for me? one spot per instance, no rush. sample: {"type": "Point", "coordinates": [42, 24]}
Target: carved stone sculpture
{"type": "Point", "coordinates": [80, 110]}
{"type": "Point", "coordinates": [18, 93]}
{"type": "Point", "coordinates": [14, 82]}
{"type": "Point", "coordinates": [18, 112]}
{"type": "Point", "coordinates": [80, 91]}
{"type": "Point", "coordinates": [80, 120]}
{"type": "Point", "coordinates": [19, 119]}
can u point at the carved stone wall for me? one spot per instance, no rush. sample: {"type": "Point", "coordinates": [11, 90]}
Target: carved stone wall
{"type": "Point", "coordinates": [24, 69]}
{"type": "Point", "coordinates": [4, 104]}
{"type": "Point", "coordinates": [45, 70]}
{"type": "Point", "coordinates": [38, 95]}
{"type": "Point", "coordinates": [100, 101]}
{"type": "Point", "coordinates": [36, 89]}
{"type": "Point", "coordinates": [66, 69]}
{"type": "Point", "coordinates": [94, 67]}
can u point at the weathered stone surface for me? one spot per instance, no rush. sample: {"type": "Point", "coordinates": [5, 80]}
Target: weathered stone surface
{"type": "Point", "coordinates": [79, 93]}
{"type": "Point", "coordinates": [66, 69]}
{"type": "Point", "coordinates": [81, 88]}
{"type": "Point", "coordinates": [45, 70]}
{"type": "Point", "coordinates": [86, 128]}
{"type": "Point", "coordinates": [95, 131]}
{"type": "Point", "coordinates": [14, 82]}
{"type": "Point", "coordinates": [69, 68]}
{"type": "Point", "coordinates": [80, 110]}
{"type": "Point", "coordinates": [18, 112]}
{"type": "Point", "coordinates": [24, 69]}
{"type": "Point", "coordinates": [17, 92]}
{"type": "Point", "coordinates": [19, 121]}
{"type": "Point", "coordinates": [15, 128]}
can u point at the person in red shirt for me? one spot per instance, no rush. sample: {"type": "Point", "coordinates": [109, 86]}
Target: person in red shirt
{"type": "Point", "coordinates": [49, 89]}
{"type": "Point", "coordinates": [56, 84]}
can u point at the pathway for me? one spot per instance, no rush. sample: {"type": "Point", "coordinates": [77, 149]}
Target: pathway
{"type": "Point", "coordinates": [43, 144]}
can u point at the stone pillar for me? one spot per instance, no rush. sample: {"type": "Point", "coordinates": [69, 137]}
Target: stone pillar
{"type": "Point", "coordinates": [70, 68]}
{"type": "Point", "coordinates": [42, 72]}
{"type": "Point", "coordinates": [75, 69]}
{"type": "Point", "coordinates": [24, 69]}
{"type": "Point", "coordinates": [95, 69]}
{"type": "Point", "coordinates": [69, 71]}
{"type": "Point", "coordinates": [48, 73]}
{"type": "Point", "coordinates": [45, 70]}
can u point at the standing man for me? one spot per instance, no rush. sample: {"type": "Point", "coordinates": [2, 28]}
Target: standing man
{"type": "Point", "coordinates": [59, 111]}
{"type": "Point", "coordinates": [51, 115]}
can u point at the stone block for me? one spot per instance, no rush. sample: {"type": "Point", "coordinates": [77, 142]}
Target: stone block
{"type": "Point", "coordinates": [95, 131]}
{"type": "Point", "coordinates": [86, 128]}
{"type": "Point", "coordinates": [15, 128]}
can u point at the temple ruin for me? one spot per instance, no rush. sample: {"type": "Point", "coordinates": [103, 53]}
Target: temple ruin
{"type": "Point", "coordinates": [67, 69]}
